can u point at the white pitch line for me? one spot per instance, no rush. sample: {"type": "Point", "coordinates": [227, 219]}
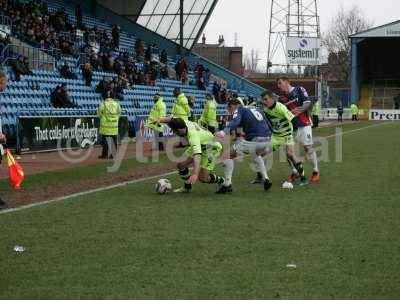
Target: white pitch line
{"type": "Point", "coordinates": [110, 187]}
{"type": "Point", "coordinates": [354, 130]}
{"type": "Point", "coordinates": [88, 192]}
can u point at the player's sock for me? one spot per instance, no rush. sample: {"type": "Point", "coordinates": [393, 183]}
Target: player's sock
{"type": "Point", "coordinates": [185, 175]}
{"type": "Point", "coordinates": [260, 165]}
{"type": "Point", "coordinates": [312, 157]}
{"type": "Point", "coordinates": [216, 179]}
{"type": "Point", "coordinates": [300, 169]}
{"type": "Point", "coordinates": [228, 171]}
{"type": "Point", "coordinates": [292, 166]}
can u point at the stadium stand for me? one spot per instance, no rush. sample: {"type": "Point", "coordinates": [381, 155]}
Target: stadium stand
{"type": "Point", "coordinates": [31, 95]}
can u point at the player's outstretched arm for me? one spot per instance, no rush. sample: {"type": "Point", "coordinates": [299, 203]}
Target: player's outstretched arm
{"type": "Point", "coordinates": [196, 169]}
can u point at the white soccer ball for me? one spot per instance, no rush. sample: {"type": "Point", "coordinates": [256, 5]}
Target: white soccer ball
{"type": "Point", "coordinates": [163, 186]}
{"type": "Point", "coordinates": [287, 185]}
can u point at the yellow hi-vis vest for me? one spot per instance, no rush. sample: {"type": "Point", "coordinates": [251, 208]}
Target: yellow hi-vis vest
{"type": "Point", "coordinates": [181, 108]}
{"type": "Point", "coordinates": [109, 112]}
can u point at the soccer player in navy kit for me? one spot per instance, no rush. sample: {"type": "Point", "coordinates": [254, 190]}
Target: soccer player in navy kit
{"type": "Point", "coordinates": [298, 102]}
{"type": "Point", "coordinates": [256, 141]}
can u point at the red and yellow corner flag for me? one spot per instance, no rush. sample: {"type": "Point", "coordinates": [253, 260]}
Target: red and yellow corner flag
{"type": "Point", "coordinates": [15, 171]}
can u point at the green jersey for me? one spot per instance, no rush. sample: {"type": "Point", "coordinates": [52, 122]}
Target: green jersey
{"type": "Point", "coordinates": [198, 137]}
{"type": "Point", "coordinates": [201, 141]}
{"type": "Point", "coordinates": [280, 118]}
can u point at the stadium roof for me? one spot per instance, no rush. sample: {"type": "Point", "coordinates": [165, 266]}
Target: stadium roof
{"type": "Point", "coordinates": [387, 30]}
{"type": "Point", "coordinates": [163, 17]}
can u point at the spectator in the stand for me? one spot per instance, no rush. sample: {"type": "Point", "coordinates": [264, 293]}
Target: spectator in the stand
{"type": "Point", "coordinates": [103, 86]}
{"type": "Point", "coordinates": [118, 66]}
{"type": "Point", "coordinates": [78, 16]}
{"type": "Point", "coordinates": [60, 99]}
{"type": "Point", "coordinates": [66, 72]}
{"type": "Point", "coordinates": [20, 68]}
{"type": "Point", "coordinates": [87, 73]}
{"type": "Point", "coordinates": [115, 36]}
{"type": "Point", "coordinates": [108, 63]}
{"type": "Point", "coordinates": [117, 89]}
{"type": "Point", "coordinates": [207, 77]}
{"type": "Point", "coordinates": [94, 61]}
{"type": "Point", "coordinates": [164, 57]}
{"type": "Point", "coordinates": [4, 41]}
{"type": "Point", "coordinates": [180, 67]}
{"type": "Point", "coordinates": [164, 72]}
{"type": "Point", "coordinates": [109, 112]}
{"type": "Point", "coordinates": [184, 77]}
{"type": "Point", "coordinates": [216, 91]}
{"type": "Point", "coordinates": [139, 49]}
{"type": "Point", "coordinates": [147, 55]}
{"type": "Point", "coordinates": [181, 107]}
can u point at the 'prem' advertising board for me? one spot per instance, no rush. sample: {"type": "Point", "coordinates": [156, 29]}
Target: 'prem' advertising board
{"type": "Point", "coordinates": [303, 51]}
{"type": "Point", "coordinates": [384, 115]}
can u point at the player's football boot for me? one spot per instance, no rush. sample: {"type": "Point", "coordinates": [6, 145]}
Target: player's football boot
{"type": "Point", "coordinates": [292, 178]}
{"type": "Point", "coordinates": [258, 179]}
{"type": "Point", "coordinates": [225, 189]}
{"type": "Point", "coordinates": [267, 184]}
{"type": "Point", "coordinates": [303, 182]}
{"type": "Point", "coordinates": [315, 177]}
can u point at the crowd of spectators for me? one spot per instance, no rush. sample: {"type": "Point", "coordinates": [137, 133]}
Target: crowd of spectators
{"type": "Point", "coordinates": [33, 23]}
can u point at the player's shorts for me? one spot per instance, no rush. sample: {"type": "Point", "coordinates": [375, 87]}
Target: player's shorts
{"type": "Point", "coordinates": [278, 141]}
{"type": "Point", "coordinates": [257, 145]}
{"type": "Point", "coordinates": [209, 155]}
{"type": "Point", "coordinates": [303, 135]}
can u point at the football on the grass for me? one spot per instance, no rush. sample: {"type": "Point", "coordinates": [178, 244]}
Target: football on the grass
{"type": "Point", "coordinates": [163, 186]}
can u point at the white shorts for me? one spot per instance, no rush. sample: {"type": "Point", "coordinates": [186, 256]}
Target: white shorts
{"type": "Point", "coordinates": [304, 136]}
{"type": "Point", "coordinates": [257, 145]}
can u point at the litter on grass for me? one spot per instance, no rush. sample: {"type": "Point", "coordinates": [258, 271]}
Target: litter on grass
{"type": "Point", "coordinates": [19, 248]}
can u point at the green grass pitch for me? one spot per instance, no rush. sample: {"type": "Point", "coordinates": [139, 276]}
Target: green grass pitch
{"type": "Point", "coordinates": [129, 243]}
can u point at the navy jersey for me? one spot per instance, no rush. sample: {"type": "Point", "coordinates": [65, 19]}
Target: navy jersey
{"type": "Point", "coordinates": [297, 96]}
{"type": "Point", "coordinates": [252, 121]}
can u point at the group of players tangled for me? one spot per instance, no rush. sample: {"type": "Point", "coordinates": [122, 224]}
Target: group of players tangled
{"type": "Point", "coordinates": [256, 132]}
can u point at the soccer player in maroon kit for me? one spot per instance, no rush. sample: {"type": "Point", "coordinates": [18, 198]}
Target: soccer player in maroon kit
{"type": "Point", "coordinates": [298, 102]}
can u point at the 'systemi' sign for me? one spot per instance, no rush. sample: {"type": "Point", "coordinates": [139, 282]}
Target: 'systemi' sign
{"type": "Point", "coordinates": [303, 51]}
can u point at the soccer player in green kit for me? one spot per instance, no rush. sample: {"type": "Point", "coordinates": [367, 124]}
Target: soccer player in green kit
{"type": "Point", "coordinates": [202, 153]}
{"type": "Point", "coordinates": [282, 130]}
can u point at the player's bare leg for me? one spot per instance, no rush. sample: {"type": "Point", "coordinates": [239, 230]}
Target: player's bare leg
{"type": "Point", "coordinates": [312, 157]}
{"type": "Point", "coordinates": [183, 169]}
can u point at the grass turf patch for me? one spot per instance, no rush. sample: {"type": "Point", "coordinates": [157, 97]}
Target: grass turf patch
{"type": "Point", "coordinates": [130, 243]}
